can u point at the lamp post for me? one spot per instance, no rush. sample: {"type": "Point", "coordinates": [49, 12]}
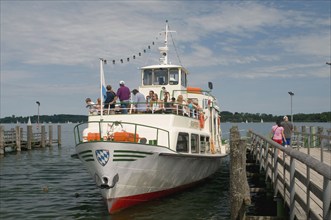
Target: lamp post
{"type": "Point", "coordinates": [38, 103]}
{"type": "Point", "coordinates": [291, 94]}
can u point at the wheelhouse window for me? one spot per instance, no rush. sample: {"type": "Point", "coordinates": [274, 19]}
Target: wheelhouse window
{"type": "Point", "coordinates": [183, 79]}
{"type": "Point", "coordinates": [148, 77]}
{"type": "Point", "coordinates": [160, 76]}
{"type": "Point", "coordinates": [173, 76]}
{"type": "Point", "coordinates": [194, 143]}
{"type": "Point", "coordinates": [182, 142]}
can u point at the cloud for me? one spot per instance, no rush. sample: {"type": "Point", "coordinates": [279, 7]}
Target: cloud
{"type": "Point", "coordinates": [49, 45]}
{"type": "Point", "coordinates": [312, 44]}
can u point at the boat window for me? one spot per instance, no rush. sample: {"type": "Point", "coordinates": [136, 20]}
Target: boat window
{"type": "Point", "coordinates": [207, 143]}
{"type": "Point", "coordinates": [205, 103]}
{"type": "Point", "coordinates": [183, 78]}
{"type": "Point", "coordinates": [147, 80]}
{"type": "Point", "coordinates": [194, 143]}
{"type": "Point", "coordinates": [182, 142]}
{"type": "Point", "coordinates": [202, 143]}
{"type": "Point", "coordinates": [173, 76]}
{"type": "Point", "coordinates": [160, 76]}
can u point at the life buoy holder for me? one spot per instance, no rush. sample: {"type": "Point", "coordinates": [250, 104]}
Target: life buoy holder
{"type": "Point", "coordinates": [202, 120]}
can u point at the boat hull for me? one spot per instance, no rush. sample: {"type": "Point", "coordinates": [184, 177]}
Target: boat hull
{"type": "Point", "coordinates": [130, 173]}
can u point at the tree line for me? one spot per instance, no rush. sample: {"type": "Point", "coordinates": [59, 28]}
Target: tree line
{"type": "Point", "coordinates": [226, 116]}
{"type": "Point", "coordinates": [61, 118]}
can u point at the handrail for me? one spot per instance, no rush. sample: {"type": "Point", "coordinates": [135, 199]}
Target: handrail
{"type": "Point", "coordinates": [311, 163]}
{"type": "Point", "coordinates": [177, 109]}
{"type": "Point", "coordinates": [101, 128]}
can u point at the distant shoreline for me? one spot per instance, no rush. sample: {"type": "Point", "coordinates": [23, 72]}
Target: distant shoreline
{"type": "Point", "coordinates": [226, 116]}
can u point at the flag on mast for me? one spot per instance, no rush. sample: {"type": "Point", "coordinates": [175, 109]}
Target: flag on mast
{"type": "Point", "coordinates": [103, 91]}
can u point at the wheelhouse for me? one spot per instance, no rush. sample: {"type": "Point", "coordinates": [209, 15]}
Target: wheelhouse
{"type": "Point", "coordinates": [158, 75]}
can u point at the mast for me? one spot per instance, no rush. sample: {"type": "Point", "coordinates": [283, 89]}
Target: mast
{"type": "Point", "coordinates": [164, 50]}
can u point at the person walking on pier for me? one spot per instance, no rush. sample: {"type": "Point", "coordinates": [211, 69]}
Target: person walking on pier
{"type": "Point", "coordinates": [277, 132]}
{"type": "Point", "coordinates": [288, 129]}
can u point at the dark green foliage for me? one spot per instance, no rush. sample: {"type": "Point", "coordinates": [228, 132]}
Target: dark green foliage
{"type": "Point", "coordinates": [63, 118]}
{"type": "Point", "coordinates": [226, 116]}
{"type": "Point", "coordinates": [242, 117]}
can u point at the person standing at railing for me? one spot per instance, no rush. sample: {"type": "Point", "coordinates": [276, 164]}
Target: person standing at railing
{"type": "Point", "coordinates": [139, 101]}
{"type": "Point", "coordinates": [288, 129]}
{"type": "Point", "coordinates": [182, 106]}
{"type": "Point", "coordinates": [277, 132]}
{"type": "Point", "coordinates": [110, 100]}
{"type": "Point", "coordinates": [166, 103]}
{"type": "Point", "coordinates": [148, 100]}
{"type": "Point", "coordinates": [98, 105]}
{"type": "Point", "coordinates": [91, 106]}
{"type": "Point", "coordinates": [156, 105]}
{"type": "Point", "coordinates": [123, 93]}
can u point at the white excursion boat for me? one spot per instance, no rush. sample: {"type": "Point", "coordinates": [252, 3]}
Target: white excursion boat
{"type": "Point", "coordinates": [138, 157]}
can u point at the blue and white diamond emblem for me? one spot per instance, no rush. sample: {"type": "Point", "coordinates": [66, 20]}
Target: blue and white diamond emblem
{"type": "Point", "coordinates": [102, 156]}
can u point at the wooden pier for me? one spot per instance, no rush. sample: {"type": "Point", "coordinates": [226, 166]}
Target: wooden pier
{"type": "Point", "coordinates": [300, 174]}
{"type": "Point", "coordinates": [16, 139]}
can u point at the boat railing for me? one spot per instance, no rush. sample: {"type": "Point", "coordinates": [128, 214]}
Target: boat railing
{"type": "Point", "coordinates": [116, 131]}
{"type": "Point", "coordinates": [159, 108]}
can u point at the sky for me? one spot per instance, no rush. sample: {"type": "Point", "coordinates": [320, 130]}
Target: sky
{"type": "Point", "coordinates": [254, 52]}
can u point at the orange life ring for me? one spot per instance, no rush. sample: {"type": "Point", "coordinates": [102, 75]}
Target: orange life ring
{"type": "Point", "coordinates": [202, 120]}
{"type": "Point", "coordinates": [219, 120]}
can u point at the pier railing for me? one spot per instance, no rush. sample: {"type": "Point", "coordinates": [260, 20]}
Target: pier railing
{"type": "Point", "coordinates": [310, 137]}
{"type": "Point", "coordinates": [302, 180]}
{"type": "Point", "coordinates": [16, 138]}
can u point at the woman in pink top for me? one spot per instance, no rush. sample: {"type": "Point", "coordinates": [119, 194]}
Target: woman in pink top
{"type": "Point", "coordinates": [278, 132]}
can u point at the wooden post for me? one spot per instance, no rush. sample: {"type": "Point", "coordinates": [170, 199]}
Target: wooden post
{"type": "Point", "coordinates": [50, 131]}
{"type": "Point", "coordinates": [29, 137]}
{"type": "Point", "coordinates": [59, 142]}
{"type": "Point", "coordinates": [43, 136]}
{"type": "Point", "coordinates": [2, 141]}
{"type": "Point", "coordinates": [21, 133]}
{"type": "Point", "coordinates": [319, 141]}
{"type": "Point", "coordinates": [303, 135]}
{"type": "Point", "coordinates": [313, 136]}
{"type": "Point", "coordinates": [18, 138]}
{"type": "Point", "coordinates": [239, 189]}
{"type": "Point", "coordinates": [319, 137]}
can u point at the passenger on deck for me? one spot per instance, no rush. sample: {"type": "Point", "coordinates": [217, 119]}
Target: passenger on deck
{"type": "Point", "coordinates": [162, 93]}
{"type": "Point", "coordinates": [110, 101]}
{"type": "Point", "coordinates": [139, 101]}
{"type": "Point", "coordinates": [197, 107]}
{"type": "Point", "coordinates": [123, 93]}
{"type": "Point", "coordinates": [192, 107]}
{"type": "Point", "coordinates": [98, 105]}
{"type": "Point", "coordinates": [167, 103]}
{"type": "Point", "coordinates": [91, 106]}
{"type": "Point", "coordinates": [156, 105]}
{"type": "Point", "coordinates": [173, 105]}
{"type": "Point", "coordinates": [148, 100]}
{"type": "Point", "coordinates": [182, 105]}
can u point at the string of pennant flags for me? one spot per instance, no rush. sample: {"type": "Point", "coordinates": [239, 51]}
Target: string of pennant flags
{"type": "Point", "coordinates": [133, 57]}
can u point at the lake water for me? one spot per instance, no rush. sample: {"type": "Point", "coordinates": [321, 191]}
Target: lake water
{"type": "Point", "coordinates": [48, 184]}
